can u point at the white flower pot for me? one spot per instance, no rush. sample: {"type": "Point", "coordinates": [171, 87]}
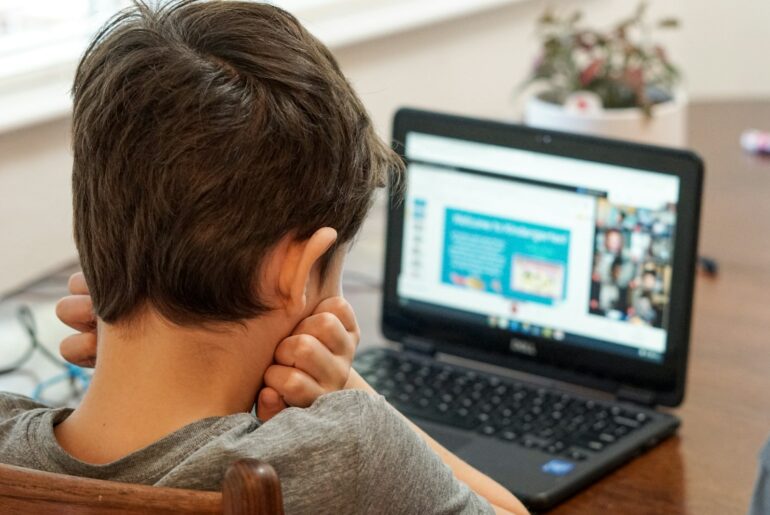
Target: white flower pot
{"type": "Point", "coordinates": [667, 126]}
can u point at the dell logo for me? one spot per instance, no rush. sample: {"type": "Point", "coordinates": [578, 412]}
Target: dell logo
{"type": "Point", "coordinates": [523, 347]}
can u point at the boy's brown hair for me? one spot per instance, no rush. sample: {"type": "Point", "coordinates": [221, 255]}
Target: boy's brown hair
{"type": "Point", "coordinates": [203, 133]}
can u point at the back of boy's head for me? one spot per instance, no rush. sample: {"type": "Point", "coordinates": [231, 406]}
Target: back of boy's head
{"type": "Point", "coordinates": [203, 133]}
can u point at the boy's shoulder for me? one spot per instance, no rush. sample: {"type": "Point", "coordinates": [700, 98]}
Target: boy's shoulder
{"type": "Point", "coordinates": [336, 424]}
{"type": "Point", "coordinates": [350, 452]}
{"type": "Point", "coordinates": [22, 422]}
{"type": "Point", "coordinates": [316, 451]}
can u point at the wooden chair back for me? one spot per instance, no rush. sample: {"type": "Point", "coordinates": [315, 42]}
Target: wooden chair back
{"type": "Point", "coordinates": [249, 487]}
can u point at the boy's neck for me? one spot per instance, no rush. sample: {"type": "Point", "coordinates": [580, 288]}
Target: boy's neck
{"type": "Point", "coordinates": [153, 378]}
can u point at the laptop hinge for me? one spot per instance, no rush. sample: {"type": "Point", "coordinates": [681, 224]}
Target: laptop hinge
{"type": "Point", "coordinates": [636, 395]}
{"type": "Point", "coordinates": [418, 346]}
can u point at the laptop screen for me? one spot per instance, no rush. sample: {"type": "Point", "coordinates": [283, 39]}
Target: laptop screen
{"type": "Point", "coordinates": [534, 244]}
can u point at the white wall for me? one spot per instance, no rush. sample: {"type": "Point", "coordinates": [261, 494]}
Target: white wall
{"type": "Point", "coordinates": [470, 66]}
{"type": "Point", "coordinates": [465, 66]}
{"type": "Point", "coordinates": [726, 48]}
{"type": "Point", "coordinates": [35, 228]}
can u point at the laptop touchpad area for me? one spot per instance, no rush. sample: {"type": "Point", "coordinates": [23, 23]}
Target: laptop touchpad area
{"type": "Point", "coordinates": [451, 439]}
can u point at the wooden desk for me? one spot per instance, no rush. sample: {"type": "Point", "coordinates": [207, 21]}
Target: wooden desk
{"type": "Point", "coordinates": [709, 468]}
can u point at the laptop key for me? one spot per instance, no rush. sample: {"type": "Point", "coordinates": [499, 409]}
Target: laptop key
{"type": "Point", "coordinates": [607, 438]}
{"type": "Point", "coordinates": [487, 407]}
{"type": "Point", "coordinates": [488, 429]}
{"type": "Point", "coordinates": [626, 422]}
{"type": "Point", "coordinates": [501, 390]}
{"type": "Point", "coordinates": [533, 442]}
{"type": "Point", "coordinates": [463, 412]}
{"type": "Point", "coordinates": [592, 445]}
{"type": "Point", "coordinates": [502, 421]}
{"type": "Point", "coordinates": [509, 435]}
{"type": "Point", "coordinates": [555, 447]}
{"type": "Point", "coordinates": [576, 455]}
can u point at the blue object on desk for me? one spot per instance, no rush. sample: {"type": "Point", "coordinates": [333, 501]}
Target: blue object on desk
{"type": "Point", "coordinates": [72, 373]}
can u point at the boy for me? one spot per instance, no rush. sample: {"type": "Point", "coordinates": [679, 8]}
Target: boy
{"type": "Point", "coordinates": [222, 164]}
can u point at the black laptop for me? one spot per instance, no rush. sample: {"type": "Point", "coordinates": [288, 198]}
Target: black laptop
{"type": "Point", "coordinates": [539, 288]}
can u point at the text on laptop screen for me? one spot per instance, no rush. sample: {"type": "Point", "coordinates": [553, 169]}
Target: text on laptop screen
{"type": "Point", "coordinates": [557, 248]}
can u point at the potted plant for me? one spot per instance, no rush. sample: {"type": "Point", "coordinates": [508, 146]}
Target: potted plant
{"type": "Point", "coordinates": [616, 83]}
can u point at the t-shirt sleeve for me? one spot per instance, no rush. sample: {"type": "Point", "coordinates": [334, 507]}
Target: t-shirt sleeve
{"type": "Point", "coordinates": [399, 471]}
{"type": "Point", "coordinates": [760, 503]}
{"type": "Point", "coordinates": [12, 404]}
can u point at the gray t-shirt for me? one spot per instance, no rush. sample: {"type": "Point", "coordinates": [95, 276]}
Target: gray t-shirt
{"type": "Point", "coordinates": [350, 452]}
{"type": "Point", "coordinates": [760, 503]}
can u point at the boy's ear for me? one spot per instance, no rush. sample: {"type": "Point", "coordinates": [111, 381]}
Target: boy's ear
{"type": "Point", "coordinates": [298, 263]}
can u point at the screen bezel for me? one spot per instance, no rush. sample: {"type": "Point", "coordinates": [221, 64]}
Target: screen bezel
{"type": "Point", "coordinates": [597, 369]}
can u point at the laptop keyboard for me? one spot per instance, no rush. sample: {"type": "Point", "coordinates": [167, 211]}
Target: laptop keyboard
{"type": "Point", "coordinates": [516, 412]}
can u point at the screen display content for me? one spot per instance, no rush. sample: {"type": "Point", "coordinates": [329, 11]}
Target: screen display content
{"type": "Point", "coordinates": [533, 244]}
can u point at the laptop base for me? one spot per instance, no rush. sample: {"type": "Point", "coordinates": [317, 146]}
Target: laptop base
{"type": "Point", "coordinates": [543, 444]}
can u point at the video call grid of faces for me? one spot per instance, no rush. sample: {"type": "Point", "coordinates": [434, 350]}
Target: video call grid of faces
{"type": "Point", "coordinates": [632, 263]}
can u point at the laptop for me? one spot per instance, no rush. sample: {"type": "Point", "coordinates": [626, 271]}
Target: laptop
{"type": "Point", "coordinates": [538, 289]}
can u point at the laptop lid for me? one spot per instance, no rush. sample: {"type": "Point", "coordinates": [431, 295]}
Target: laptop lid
{"type": "Point", "coordinates": [550, 253]}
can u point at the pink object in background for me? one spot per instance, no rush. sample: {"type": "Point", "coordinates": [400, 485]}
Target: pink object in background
{"type": "Point", "coordinates": [756, 142]}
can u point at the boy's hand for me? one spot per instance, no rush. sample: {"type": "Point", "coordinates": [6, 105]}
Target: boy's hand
{"type": "Point", "coordinates": [77, 311]}
{"type": "Point", "coordinates": [316, 359]}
